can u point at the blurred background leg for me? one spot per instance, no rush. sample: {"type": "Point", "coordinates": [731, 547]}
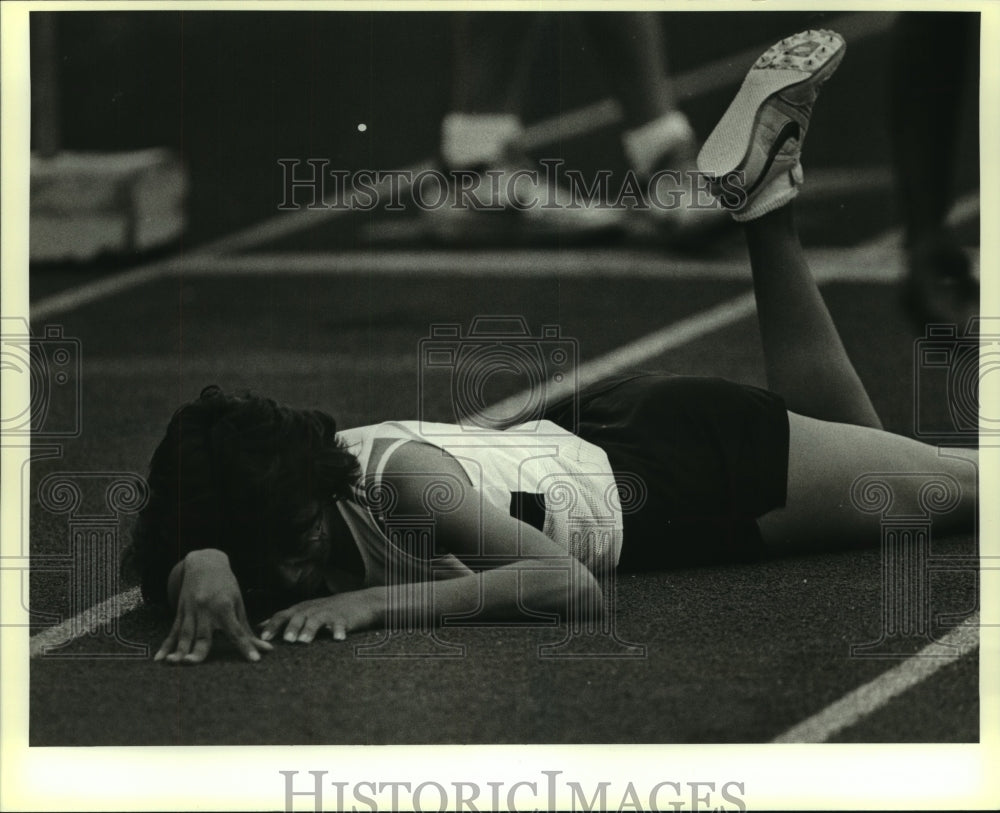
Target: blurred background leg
{"type": "Point", "coordinates": [499, 201]}
{"type": "Point", "coordinates": [929, 62]}
{"type": "Point", "coordinates": [659, 142]}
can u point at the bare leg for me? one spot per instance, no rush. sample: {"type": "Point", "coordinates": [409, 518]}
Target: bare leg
{"type": "Point", "coordinates": [824, 461]}
{"type": "Point", "coordinates": [631, 48]}
{"type": "Point", "coordinates": [804, 357]}
{"type": "Point", "coordinates": [835, 437]}
{"type": "Point", "coordinates": [491, 58]}
{"type": "Point", "coordinates": [930, 53]}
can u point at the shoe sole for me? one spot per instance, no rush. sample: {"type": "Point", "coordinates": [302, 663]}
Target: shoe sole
{"type": "Point", "coordinates": [786, 65]}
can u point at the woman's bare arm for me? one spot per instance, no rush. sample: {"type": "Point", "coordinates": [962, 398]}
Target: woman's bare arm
{"type": "Point", "coordinates": [518, 571]}
{"type": "Point", "coordinates": [206, 596]}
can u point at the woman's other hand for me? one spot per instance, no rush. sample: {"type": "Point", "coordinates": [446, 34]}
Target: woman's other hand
{"type": "Point", "coordinates": [342, 614]}
{"type": "Point", "coordinates": [208, 600]}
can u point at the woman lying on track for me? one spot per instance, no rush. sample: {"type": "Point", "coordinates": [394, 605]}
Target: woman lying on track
{"type": "Point", "coordinates": [250, 499]}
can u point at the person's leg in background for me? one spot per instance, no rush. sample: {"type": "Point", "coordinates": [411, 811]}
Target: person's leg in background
{"type": "Point", "coordinates": [493, 197]}
{"type": "Point", "coordinates": [659, 143]}
{"type": "Point", "coordinates": [491, 52]}
{"type": "Point", "coordinates": [930, 53]}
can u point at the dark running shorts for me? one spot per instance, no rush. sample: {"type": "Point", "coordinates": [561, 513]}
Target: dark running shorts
{"type": "Point", "coordinates": [710, 455]}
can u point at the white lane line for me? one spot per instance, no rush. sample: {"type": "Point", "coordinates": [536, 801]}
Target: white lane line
{"type": "Point", "coordinates": [878, 264]}
{"type": "Point", "coordinates": [273, 229]}
{"type": "Point", "coordinates": [635, 353]}
{"type": "Point", "coordinates": [607, 263]}
{"type": "Point", "coordinates": [624, 357]}
{"type": "Point", "coordinates": [713, 76]}
{"type": "Point", "coordinates": [881, 258]}
{"type": "Point", "coordinates": [99, 289]}
{"type": "Point", "coordinates": [100, 615]}
{"type": "Point", "coordinates": [878, 260]}
{"type": "Point", "coordinates": [690, 84]}
{"type": "Point", "coordinates": [643, 349]}
{"type": "Point", "coordinates": [870, 697]}
{"type": "Point", "coordinates": [288, 223]}
{"type": "Point", "coordinates": [266, 364]}
{"type": "Point", "coordinates": [823, 184]}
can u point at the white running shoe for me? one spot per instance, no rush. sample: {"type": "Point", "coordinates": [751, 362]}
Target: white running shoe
{"type": "Point", "coordinates": [752, 155]}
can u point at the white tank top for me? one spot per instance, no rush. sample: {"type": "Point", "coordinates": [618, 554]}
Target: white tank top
{"type": "Point", "coordinates": [572, 478]}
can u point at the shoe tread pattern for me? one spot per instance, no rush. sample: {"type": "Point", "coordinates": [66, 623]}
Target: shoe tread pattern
{"type": "Point", "coordinates": [789, 73]}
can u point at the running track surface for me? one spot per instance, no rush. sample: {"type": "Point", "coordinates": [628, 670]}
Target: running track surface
{"type": "Point", "coordinates": [732, 654]}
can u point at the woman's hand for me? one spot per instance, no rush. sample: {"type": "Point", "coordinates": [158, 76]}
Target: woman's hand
{"type": "Point", "coordinates": [209, 599]}
{"type": "Point", "coordinates": [342, 614]}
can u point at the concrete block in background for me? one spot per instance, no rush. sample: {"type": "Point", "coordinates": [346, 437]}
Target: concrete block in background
{"type": "Point", "coordinates": [84, 205]}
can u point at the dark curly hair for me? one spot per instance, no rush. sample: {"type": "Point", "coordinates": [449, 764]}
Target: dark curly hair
{"type": "Point", "coordinates": [236, 473]}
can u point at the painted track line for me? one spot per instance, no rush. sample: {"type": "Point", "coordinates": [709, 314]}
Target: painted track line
{"type": "Point", "coordinates": [273, 229]}
{"type": "Point", "coordinates": [650, 346]}
{"type": "Point", "coordinates": [267, 364]}
{"type": "Point", "coordinates": [714, 76]}
{"type": "Point", "coordinates": [704, 79]}
{"type": "Point", "coordinates": [690, 328]}
{"type": "Point", "coordinates": [878, 260]}
{"type": "Point", "coordinates": [521, 263]}
{"type": "Point", "coordinates": [629, 355]}
{"type": "Point", "coordinates": [877, 263]}
{"type": "Point", "coordinates": [99, 616]}
{"type": "Point", "coordinates": [99, 289]}
{"type": "Point", "coordinates": [881, 259]}
{"type": "Point", "coordinates": [869, 698]}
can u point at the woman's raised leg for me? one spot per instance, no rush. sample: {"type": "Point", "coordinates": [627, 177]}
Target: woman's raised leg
{"type": "Point", "coordinates": [844, 471]}
{"type": "Point", "coordinates": [752, 156]}
{"type": "Point", "coordinates": [804, 357]}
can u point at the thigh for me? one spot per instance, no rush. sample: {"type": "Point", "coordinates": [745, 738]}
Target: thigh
{"type": "Point", "coordinates": [708, 456]}
{"type": "Point", "coordinates": [843, 479]}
